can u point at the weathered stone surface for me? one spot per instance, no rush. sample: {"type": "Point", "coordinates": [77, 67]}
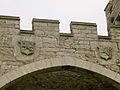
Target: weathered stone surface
{"type": "Point", "coordinates": [82, 42]}
{"type": "Point", "coordinates": [19, 48]}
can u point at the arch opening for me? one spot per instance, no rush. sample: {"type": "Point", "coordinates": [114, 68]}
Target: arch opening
{"type": "Point", "coordinates": [65, 77]}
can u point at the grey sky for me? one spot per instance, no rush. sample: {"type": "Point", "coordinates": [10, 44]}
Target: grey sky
{"type": "Point", "coordinates": [63, 10]}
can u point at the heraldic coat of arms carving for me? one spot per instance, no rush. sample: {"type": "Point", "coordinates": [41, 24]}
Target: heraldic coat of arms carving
{"type": "Point", "coordinates": [105, 52]}
{"type": "Point", "coordinates": [26, 47]}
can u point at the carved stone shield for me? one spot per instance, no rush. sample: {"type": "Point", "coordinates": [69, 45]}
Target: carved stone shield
{"type": "Point", "coordinates": [27, 47]}
{"type": "Point", "coordinates": [105, 52]}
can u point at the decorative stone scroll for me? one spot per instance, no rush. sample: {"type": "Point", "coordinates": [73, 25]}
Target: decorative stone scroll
{"type": "Point", "coordinates": [26, 47]}
{"type": "Point", "coordinates": [105, 52]}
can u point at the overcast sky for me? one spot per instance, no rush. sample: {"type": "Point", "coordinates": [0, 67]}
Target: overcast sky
{"type": "Point", "coordinates": [63, 10]}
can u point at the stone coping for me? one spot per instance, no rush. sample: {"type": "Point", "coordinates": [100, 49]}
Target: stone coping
{"type": "Point", "coordinates": [66, 34]}
{"type": "Point", "coordinates": [104, 37]}
{"type": "Point", "coordinates": [83, 23]}
{"type": "Point", "coordinates": [26, 32]}
{"type": "Point", "coordinates": [9, 17]}
{"type": "Point", "coordinates": [45, 20]}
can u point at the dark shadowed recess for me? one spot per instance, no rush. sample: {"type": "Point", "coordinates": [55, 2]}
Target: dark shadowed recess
{"type": "Point", "coordinates": [63, 78]}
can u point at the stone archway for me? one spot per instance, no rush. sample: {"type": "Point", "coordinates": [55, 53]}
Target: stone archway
{"type": "Point", "coordinates": [66, 65]}
{"type": "Point", "coordinates": [63, 78]}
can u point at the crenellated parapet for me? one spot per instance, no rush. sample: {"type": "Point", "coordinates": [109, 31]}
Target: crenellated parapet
{"type": "Point", "coordinates": [25, 55]}
{"type": "Point", "coordinates": [9, 22]}
{"type": "Point", "coordinates": [20, 47]}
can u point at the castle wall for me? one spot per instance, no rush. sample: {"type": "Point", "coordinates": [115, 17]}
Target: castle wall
{"type": "Point", "coordinates": [21, 47]}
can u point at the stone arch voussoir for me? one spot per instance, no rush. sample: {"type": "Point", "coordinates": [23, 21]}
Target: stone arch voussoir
{"type": "Point", "coordinates": [47, 63]}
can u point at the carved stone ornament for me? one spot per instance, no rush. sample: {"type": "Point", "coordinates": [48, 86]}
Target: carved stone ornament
{"type": "Point", "coordinates": [105, 52]}
{"type": "Point", "coordinates": [26, 47]}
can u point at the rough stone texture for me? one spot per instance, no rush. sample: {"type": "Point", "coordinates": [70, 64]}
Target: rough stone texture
{"type": "Point", "coordinates": [18, 48]}
{"type": "Point", "coordinates": [22, 47]}
{"type": "Point", "coordinates": [113, 13]}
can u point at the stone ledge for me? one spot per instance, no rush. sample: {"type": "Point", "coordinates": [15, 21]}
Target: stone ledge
{"type": "Point", "coordinates": [26, 32]}
{"type": "Point", "coordinates": [66, 34]}
{"type": "Point", "coordinates": [104, 37]}
{"type": "Point", "coordinates": [9, 17]}
{"type": "Point", "coordinates": [83, 23]}
{"type": "Point", "coordinates": [45, 20]}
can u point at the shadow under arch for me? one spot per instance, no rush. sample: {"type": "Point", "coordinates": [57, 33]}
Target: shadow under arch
{"type": "Point", "coordinates": [63, 64]}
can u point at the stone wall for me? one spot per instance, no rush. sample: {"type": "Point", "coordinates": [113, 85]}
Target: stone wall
{"type": "Point", "coordinates": [21, 47]}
